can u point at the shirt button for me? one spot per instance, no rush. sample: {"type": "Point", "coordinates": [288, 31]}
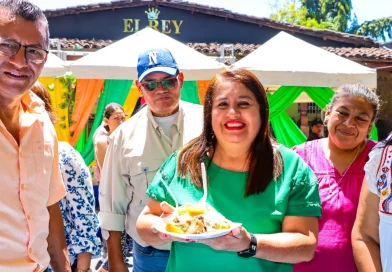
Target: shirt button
{"type": "Point", "coordinates": [28, 217]}
{"type": "Point", "coordinates": [22, 186]}
{"type": "Point", "coordinates": [30, 250]}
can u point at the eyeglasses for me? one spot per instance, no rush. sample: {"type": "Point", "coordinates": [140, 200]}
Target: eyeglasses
{"type": "Point", "coordinates": [166, 84]}
{"type": "Point", "coordinates": [9, 48]}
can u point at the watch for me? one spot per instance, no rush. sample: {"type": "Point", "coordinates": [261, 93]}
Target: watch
{"type": "Point", "coordinates": [251, 251]}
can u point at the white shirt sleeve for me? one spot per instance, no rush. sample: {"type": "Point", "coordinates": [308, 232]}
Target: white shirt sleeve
{"type": "Point", "coordinates": [371, 168]}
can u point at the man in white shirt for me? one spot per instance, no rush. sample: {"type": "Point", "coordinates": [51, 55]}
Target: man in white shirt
{"type": "Point", "coordinates": [136, 151]}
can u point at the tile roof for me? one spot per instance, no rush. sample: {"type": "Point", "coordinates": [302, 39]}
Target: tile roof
{"type": "Point", "coordinates": [220, 12]}
{"type": "Point", "coordinates": [363, 53]}
{"type": "Point", "coordinates": [240, 49]}
{"type": "Point", "coordinates": [80, 44]}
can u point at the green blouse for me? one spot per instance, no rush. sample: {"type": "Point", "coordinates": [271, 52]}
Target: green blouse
{"type": "Point", "coordinates": [294, 193]}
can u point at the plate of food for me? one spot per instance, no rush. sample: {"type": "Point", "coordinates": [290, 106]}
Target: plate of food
{"type": "Point", "coordinates": [195, 222]}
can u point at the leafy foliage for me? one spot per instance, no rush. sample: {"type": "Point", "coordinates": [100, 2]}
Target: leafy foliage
{"type": "Point", "coordinates": [354, 25]}
{"type": "Point", "coordinates": [333, 15]}
{"type": "Point", "coordinates": [329, 14]}
{"type": "Point", "coordinates": [313, 7]}
{"type": "Point", "coordinates": [68, 97]}
{"type": "Point", "coordinates": [336, 11]}
{"type": "Point", "coordinates": [69, 82]}
{"type": "Point", "coordinates": [379, 29]}
{"type": "Point", "coordinates": [299, 17]}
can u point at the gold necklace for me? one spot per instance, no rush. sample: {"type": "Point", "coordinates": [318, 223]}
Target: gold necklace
{"type": "Point", "coordinates": [345, 171]}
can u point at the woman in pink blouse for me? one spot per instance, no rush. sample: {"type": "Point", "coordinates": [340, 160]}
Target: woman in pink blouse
{"type": "Point", "coordinates": [338, 162]}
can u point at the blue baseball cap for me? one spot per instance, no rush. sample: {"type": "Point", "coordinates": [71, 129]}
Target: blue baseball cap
{"type": "Point", "coordinates": [156, 60]}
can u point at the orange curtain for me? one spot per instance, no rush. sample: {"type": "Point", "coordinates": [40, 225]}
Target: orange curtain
{"type": "Point", "coordinates": [87, 93]}
{"type": "Point", "coordinates": [202, 88]}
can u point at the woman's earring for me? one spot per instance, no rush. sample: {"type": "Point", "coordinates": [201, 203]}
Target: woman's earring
{"type": "Point", "coordinates": [325, 123]}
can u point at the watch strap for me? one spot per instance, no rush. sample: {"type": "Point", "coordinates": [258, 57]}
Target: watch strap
{"type": "Point", "coordinates": [251, 251]}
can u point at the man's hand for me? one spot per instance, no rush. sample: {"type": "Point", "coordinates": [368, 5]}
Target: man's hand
{"type": "Point", "coordinates": [57, 247]}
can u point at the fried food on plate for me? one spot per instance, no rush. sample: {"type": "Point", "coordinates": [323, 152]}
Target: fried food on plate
{"type": "Point", "coordinates": [196, 219]}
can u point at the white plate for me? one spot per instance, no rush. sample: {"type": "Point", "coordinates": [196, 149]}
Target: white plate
{"type": "Point", "coordinates": [207, 235]}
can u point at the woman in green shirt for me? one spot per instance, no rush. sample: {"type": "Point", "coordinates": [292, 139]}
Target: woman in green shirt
{"type": "Point", "coordinates": [251, 180]}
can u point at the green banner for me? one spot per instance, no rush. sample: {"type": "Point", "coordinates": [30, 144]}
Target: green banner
{"type": "Point", "coordinates": [286, 131]}
{"type": "Point", "coordinates": [190, 92]}
{"type": "Point", "coordinates": [114, 91]}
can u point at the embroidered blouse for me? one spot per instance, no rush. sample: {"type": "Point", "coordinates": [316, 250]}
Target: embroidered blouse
{"type": "Point", "coordinates": [378, 175]}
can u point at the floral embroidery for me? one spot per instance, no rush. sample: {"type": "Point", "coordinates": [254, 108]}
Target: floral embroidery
{"type": "Point", "coordinates": [384, 193]}
{"type": "Point", "coordinates": [384, 183]}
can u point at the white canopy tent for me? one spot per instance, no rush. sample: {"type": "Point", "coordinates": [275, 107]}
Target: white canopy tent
{"type": "Point", "coordinates": [287, 60]}
{"type": "Point", "coordinates": [119, 60]}
{"type": "Point", "coordinates": [54, 66]}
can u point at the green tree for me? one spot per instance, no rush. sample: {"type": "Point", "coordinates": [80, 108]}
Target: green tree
{"type": "Point", "coordinates": [338, 12]}
{"type": "Point", "coordinates": [354, 25]}
{"type": "Point", "coordinates": [378, 29]}
{"type": "Point", "coordinates": [331, 14]}
{"type": "Point", "coordinates": [298, 16]}
{"type": "Point", "coordinates": [313, 7]}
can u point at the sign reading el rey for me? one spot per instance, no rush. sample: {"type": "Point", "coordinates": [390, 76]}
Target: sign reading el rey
{"type": "Point", "coordinates": [164, 26]}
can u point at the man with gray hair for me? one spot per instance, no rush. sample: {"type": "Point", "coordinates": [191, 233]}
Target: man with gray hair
{"type": "Point", "coordinates": [31, 230]}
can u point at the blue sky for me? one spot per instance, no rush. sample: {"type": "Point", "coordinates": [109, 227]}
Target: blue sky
{"type": "Point", "coordinates": [365, 9]}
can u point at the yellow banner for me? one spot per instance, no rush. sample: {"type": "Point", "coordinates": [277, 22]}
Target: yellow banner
{"type": "Point", "coordinates": [131, 100]}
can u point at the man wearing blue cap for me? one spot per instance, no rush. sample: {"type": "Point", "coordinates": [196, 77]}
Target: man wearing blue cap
{"type": "Point", "coordinates": [136, 151]}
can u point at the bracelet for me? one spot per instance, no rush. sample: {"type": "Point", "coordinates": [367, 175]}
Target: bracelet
{"type": "Point", "coordinates": [83, 270]}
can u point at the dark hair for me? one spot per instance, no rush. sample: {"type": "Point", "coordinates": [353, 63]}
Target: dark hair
{"type": "Point", "coordinates": [265, 161]}
{"type": "Point", "coordinates": [316, 121]}
{"type": "Point", "coordinates": [109, 109]}
{"type": "Point", "coordinates": [387, 141]}
{"type": "Point", "coordinates": [27, 11]}
{"type": "Point", "coordinates": [44, 95]}
{"type": "Point", "coordinates": [358, 90]}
